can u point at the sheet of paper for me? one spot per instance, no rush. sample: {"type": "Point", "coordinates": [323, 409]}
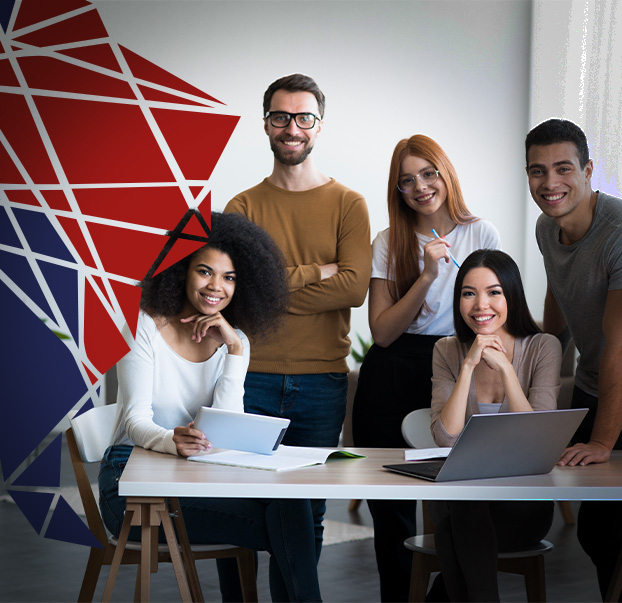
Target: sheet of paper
{"type": "Point", "coordinates": [286, 457]}
{"type": "Point", "coordinates": [423, 454]}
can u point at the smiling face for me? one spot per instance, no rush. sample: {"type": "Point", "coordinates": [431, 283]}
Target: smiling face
{"type": "Point", "coordinates": [483, 305]}
{"type": "Point", "coordinates": [210, 281]}
{"type": "Point", "coordinates": [292, 145]}
{"type": "Point", "coordinates": [557, 183]}
{"type": "Point", "coordinates": [425, 199]}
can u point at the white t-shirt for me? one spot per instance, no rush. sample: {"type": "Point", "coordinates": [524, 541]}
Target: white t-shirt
{"type": "Point", "coordinates": [464, 239]}
{"type": "Point", "coordinates": [159, 390]}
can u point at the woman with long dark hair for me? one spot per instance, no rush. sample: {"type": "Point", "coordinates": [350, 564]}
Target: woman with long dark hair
{"type": "Point", "coordinates": [499, 361]}
{"type": "Point", "coordinates": [191, 349]}
{"type": "Point", "coordinates": [409, 310]}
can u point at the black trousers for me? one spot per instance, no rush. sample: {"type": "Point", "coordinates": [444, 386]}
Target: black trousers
{"type": "Point", "coordinates": [393, 381]}
{"type": "Point", "coordinates": [469, 535]}
{"type": "Point", "coordinates": [599, 524]}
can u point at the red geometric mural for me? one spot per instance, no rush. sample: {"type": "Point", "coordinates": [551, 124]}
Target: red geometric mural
{"type": "Point", "coordinates": [105, 161]}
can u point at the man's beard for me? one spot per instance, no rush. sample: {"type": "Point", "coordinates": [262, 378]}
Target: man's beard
{"type": "Point", "coordinates": [290, 158]}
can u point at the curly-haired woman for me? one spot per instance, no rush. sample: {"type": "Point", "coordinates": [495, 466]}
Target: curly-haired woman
{"type": "Point", "coordinates": [191, 349]}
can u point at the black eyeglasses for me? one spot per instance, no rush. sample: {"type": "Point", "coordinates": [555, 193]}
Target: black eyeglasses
{"type": "Point", "coordinates": [281, 119]}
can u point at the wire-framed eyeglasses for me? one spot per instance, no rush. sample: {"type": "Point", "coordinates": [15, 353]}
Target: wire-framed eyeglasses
{"type": "Point", "coordinates": [281, 119]}
{"type": "Point", "coordinates": [427, 176]}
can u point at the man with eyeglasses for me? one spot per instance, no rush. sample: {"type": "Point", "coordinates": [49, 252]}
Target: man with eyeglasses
{"type": "Point", "coordinates": [322, 227]}
{"type": "Point", "coordinates": [580, 237]}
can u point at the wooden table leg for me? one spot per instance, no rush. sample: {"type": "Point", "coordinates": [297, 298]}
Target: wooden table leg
{"type": "Point", "coordinates": [149, 513]}
{"type": "Point", "coordinates": [178, 566]}
{"type": "Point", "coordinates": [186, 552]}
{"type": "Point", "coordinates": [146, 542]}
{"type": "Point", "coordinates": [567, 512]}
{"type": "Point", "coordinates": [137, 586]}
{"type": "Point", "coordinates": [118, 555]}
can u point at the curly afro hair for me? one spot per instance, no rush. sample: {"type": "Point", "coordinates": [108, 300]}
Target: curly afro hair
{"type": "Point", "coordinates": [261, 293]}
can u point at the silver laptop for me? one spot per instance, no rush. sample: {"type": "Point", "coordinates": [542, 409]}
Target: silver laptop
{"type": "Point", "coordinates": [241, 431]}
{"type": "Point", "coordinates": [502, 445]}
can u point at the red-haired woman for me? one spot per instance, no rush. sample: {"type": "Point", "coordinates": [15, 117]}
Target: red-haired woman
{"type": "Point", "coordinates": [410, 309]}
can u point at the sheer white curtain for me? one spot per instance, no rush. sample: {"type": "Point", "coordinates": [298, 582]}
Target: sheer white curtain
{"type": "Point", "coordinates": [576, 60]}
{"type": "Point", "coordinates": [577, 74]}
{"type": "Point", "coordinates": [600, 95]}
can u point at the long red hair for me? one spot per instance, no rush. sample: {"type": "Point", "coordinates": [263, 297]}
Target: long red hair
{"type": "Point", "coordinates": [403, 251]}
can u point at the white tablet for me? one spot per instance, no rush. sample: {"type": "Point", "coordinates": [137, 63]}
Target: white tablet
{"type": "Point", "coordinates": [241, 431]}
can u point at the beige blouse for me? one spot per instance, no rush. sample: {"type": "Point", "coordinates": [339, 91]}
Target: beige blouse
{"type": "Point", "coordinates": [537, 360]}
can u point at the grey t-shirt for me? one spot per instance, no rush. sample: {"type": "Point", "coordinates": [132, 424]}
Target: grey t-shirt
{"type": "Point", "coordinates": [580, 276]}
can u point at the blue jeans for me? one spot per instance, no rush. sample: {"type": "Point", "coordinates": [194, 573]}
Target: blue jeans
{"type": "Point", "coordinates": [315, 404]}
{"type": "Point", "coordinates": [316, 407]}
{"type": "Point", "coordinates": [284, 528]}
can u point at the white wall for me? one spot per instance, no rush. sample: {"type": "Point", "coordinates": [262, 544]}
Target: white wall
{"type": "Point", "coordinates": [457, 71]}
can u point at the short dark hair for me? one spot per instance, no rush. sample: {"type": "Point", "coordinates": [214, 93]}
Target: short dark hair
{"type": "Point", "coordinates": [556, 130]}
{"type": "Point", "coordinates": [261, 292]}
{"type": "Point", "coordinates": [519, 321]}
{"type": "Point", "coordinates": [296, 82]}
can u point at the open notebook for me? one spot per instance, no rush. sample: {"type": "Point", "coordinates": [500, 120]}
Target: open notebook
{"type": "Point", "coordinates": [285, 457]}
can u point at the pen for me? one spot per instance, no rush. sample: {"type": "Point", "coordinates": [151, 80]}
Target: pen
{"type": "Point", "coordinates": [453, 259]}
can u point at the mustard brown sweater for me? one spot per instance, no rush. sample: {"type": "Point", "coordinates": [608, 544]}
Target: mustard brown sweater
{"type": "Point", "coordinates": [320, 226]}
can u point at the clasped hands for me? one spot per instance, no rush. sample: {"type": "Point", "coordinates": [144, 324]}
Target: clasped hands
{"type": "Point", "coordinates": [488, 348]}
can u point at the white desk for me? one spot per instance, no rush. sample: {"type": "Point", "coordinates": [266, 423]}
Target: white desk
{"type": "Point", "coordinates": [153, 474]}
{"type": "Point", "coordinates": [150, 477]}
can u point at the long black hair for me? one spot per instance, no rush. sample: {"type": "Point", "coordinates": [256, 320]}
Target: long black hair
{"type": "Point", "coordinates": [519, 322]}
{"type": "Point", "coordinates": [261, 294]}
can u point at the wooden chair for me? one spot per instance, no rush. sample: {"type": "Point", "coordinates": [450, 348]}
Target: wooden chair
{"type": "Point", "coordinates": [87, 439]}
{"type": "Point", "coordinates": [528, 562]}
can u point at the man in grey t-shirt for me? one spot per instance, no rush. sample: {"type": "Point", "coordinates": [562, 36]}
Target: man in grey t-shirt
{"type": "Point", "coordinates": [580, 236]}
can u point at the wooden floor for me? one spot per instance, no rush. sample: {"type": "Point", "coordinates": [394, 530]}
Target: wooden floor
{"type": "Point", "coordinates": [37, 569]}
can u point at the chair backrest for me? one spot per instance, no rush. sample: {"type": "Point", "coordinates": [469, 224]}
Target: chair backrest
{"type": "Point", "coordinates": [416, 429]}
{"type": "Point", "coordinates": [87, 440]}
{"type": "Point", "coordinates": [93, 431]}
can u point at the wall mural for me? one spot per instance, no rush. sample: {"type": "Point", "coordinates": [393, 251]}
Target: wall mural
{"type": "Point", "coordinates": [105, 160]}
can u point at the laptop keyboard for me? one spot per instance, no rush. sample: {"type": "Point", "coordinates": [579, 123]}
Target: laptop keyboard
{"type": "Point", "coordinates": [430, 469]}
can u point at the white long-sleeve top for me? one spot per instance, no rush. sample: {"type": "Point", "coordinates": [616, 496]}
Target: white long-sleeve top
{"type": "Point", "coordinates": [159, 390]}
